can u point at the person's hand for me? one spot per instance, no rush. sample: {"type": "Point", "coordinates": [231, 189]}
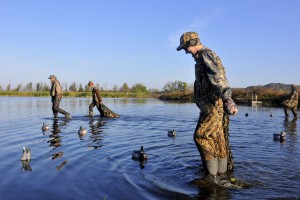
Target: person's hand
{"type": "Point", "coordinates": [230, 107]}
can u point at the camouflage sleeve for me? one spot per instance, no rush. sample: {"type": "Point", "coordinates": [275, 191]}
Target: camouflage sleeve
{"type": "Point", "coordinates": [294, 95]}
{"type": "Point", "coordinates": [58, 88]}
{"type": "Point", "coordinates": [216, 74]}
{"type": "Point", "coordinates": [196, 92]}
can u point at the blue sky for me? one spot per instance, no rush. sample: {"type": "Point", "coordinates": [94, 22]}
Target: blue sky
{"type": "Point", "coordinates": [134, 41]}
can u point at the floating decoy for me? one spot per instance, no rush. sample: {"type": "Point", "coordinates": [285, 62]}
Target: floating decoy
{"type": "Point", "coordinates": [172, 133]}
{"type": "Point", "coordinates": [279, 137]}
{"type": "Point", "coordinates": [246, 114]}
{"type": "Point", "coordinates": [45, 127]}
{"type": "Point", "coordinates": [139, 154]}
{"type": "Point", "coordinates": [26, 155]}
{"type": "Point", "coordinates": [82, 131]}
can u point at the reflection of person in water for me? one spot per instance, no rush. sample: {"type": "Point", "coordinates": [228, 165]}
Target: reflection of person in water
{"type": "Point", "coordinates": [96, 130]}
{"type": "Point", "coordinates": [292, 102]}
{"type": "Point", "coordinates": [55, 140]}
{"type": "Point", "coordinates": [213, 193]}
{"type": "Point", "coordinates": [290, 126]}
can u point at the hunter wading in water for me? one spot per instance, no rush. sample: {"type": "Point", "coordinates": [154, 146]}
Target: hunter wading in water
{"type": "Point", "coordinates": [56, 95]}
{"type": "Point", "coordinates": [213, 97]}
{"type": "Point", "coordinates": [97, 101]}
{"type": "Point", "coordinates": [292, 102]}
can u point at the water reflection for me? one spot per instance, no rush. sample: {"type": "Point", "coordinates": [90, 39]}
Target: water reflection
{"type": "Point", "coordinates": [55, 141]}
{"type": "Point", "coordinates": [290, 125]}
{"type": "Point", "coordinates": [96, 128]}
{"type": "Point", "coordinates": [96, 125]}
{"type": "Point", "coordinates": [55, 138]}
{"type": "Point", "coordinates": [61, 165]}
{"type": "Point", "coordinates": [57, 155]}
{"type": "Point", "coordinates": [213, 192]}
{"type": "Point", "coordinates": [26, 165]}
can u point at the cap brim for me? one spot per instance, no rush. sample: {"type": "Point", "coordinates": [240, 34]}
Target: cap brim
{"type": "Point", "coordinates": [179, 47]}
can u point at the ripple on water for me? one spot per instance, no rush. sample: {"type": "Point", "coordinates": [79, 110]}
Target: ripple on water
{"type": "Point", "coordinates": [99, 165]}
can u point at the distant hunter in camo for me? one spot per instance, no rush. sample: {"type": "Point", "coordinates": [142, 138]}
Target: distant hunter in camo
{"type": "Point", "coordinates": [56, 95]}
{"type": "Point", "coordinates": [292, 102]}
{"type": "Point", "coordinates": [97, 101]}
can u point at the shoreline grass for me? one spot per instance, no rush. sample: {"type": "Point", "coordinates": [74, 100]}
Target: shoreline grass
{"type": "Point", "coordinates": [77, 94]}
{"type": "Point", "coordinates": [240, 96]}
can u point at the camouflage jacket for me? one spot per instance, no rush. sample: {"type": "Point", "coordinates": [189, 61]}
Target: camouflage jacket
{"type": "Point", "coordinates": [96, 95]}
{"type": "Point", "coordinates": [55, 89]}
{"type": "Point", "coordinates": [210, 83]}
{"type": "Point", "coordinates": [292, 101]}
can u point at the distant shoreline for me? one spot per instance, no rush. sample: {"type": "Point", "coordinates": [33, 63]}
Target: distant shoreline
{"type": "Point", "coordinates": [76, 94]}
{"type": "Point", "coordinates": [241, 97]}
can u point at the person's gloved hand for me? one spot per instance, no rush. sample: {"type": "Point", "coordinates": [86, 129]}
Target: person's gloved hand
{"type": "Point", "coordinates": [230, 107]}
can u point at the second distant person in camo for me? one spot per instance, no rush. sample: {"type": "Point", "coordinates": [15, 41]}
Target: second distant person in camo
{"type": "Point", "coordinates": [292, 102]}
{"type": "Point", "coordinates": [96, 100]}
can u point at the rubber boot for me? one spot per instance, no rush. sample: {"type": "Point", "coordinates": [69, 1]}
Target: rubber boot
{"type": "Point", "coordinates": [68, 116]}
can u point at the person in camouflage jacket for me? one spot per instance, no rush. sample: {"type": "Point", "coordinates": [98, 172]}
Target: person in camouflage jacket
{"type": "Point", "coordinates": [292, 102]}
{"type": "Point", "coordinates": [56, 95]}
{"type": "Point", "coordinates": [213, 97]}
{"type": "Point", "coordinates": [97, 101]}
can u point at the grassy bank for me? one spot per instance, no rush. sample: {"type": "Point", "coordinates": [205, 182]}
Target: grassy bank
{"type": "Point", "coordinates": [77, 94]}
{"type": "Point", "coordinates": [240, 96]}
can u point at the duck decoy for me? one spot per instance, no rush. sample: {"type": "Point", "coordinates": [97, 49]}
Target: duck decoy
{"type": "Point", "coordinates": [82, 131]}
{"type": "Point", "coordinates": [139, 154]}
{"type": "Point", "coordinates": [246, 114]}
{"type": "Point", "coordinates": [172, 133]}
{"type": "Point", "coordinates": [279, 137]}
{"type": "Point", "coordinates": [26, 155]}
{"type": "Point", "coordinates": [45, 127]}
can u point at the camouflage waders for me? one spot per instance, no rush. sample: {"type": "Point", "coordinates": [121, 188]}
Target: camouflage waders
{"type": "Point", "coordinates": [210, 89]}
{"type": "Point", "coordinates": [211, 135]}
{"type": "Point", "coordinates": [55, 106]}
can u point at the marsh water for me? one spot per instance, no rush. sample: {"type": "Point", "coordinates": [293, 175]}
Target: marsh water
{"type": "Point", "coordinates": [99, 165]}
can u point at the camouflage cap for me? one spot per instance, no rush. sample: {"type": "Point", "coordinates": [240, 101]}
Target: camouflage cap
{"type": "Point", "coordinates": [90, 83]}
{"type": "Point", "coordinates": [188, 39]}
{"type": "Point", "coordinates": [51, 76]}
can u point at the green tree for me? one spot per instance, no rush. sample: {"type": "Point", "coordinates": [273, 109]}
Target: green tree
{"type": "Point", "coordinates": [45, 87]}
{"type": "Point", "coordinates": [8, 87]}
{"type": "Point", "coordinates": [80, 88]}
{"type": "Point", "coordinates": [86, 88]}
{"type": "Point", "coordinates": [175, 86]}
{"type": "Point", "coordinates": [124, 88]}
{"type": "Point", "coordinates": [115, 88]}
{"type": "Point", "coordinates": [139, 88]}
{"type": "Point", "coordinates": [73, 87]}
{"type": "Point", "coordinates": [18, 88]}
{"type": "Point", "coordinates": [38, 87]}
{"type": "Point", "coordinates": [29, 87]}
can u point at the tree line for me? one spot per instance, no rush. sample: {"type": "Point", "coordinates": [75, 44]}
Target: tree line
{"type": "Point", "coordinates": [175, 86]}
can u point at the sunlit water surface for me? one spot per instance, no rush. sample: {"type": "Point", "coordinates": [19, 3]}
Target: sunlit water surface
{"type": "Point", "coordinates": [99, 165]}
